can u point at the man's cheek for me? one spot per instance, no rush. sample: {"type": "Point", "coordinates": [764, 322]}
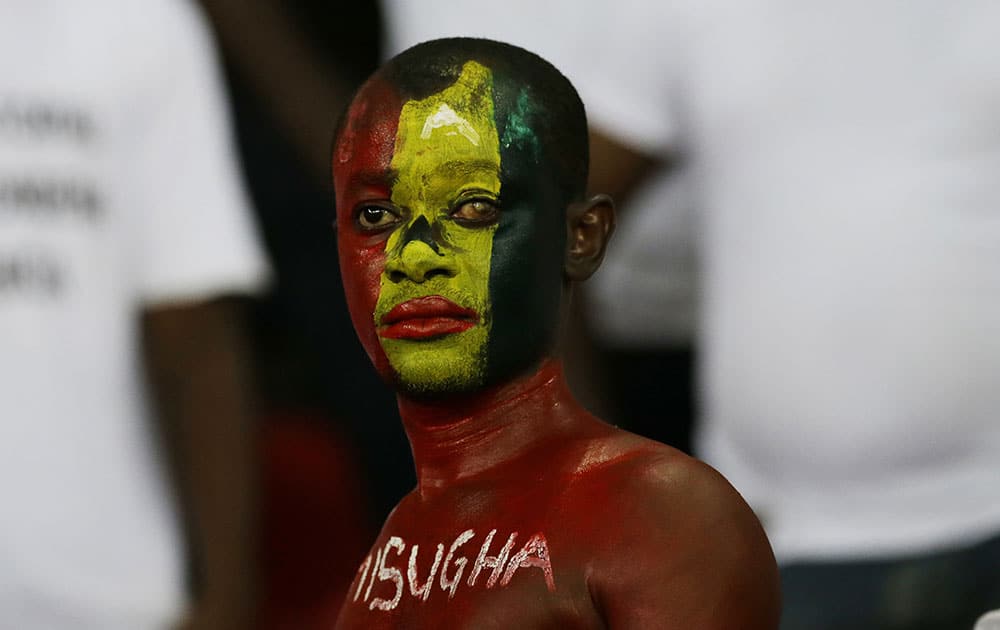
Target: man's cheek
{"type": "Point", "coordinates": [361, 268]}
{"type": "Point", "coordinates": [525, 289]}
{"type": "Point", "coordinates": [523, 258]}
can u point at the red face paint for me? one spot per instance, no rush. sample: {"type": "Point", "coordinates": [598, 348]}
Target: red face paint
{"type": "Point", "coordinates": [361, 173]}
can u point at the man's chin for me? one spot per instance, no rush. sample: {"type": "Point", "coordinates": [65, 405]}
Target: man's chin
{"type": "Point", "coordinates": [427, 390]}
{"type": "Point", "coordinates": [431, 372]}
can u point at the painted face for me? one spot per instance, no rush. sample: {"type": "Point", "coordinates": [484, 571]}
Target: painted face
{"type": "Point", "coordinates": [446, 238]}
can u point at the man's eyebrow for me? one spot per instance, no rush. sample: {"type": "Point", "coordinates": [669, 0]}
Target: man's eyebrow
{"type": "Point", "coordinates": [458, 167]}
{"type": "Point", "coordinates": [378, 179]}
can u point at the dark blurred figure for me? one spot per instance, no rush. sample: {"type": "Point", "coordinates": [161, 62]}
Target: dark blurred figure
{"type": "Point", "coordinates": [334, 461]}
{"type": "Point", "coordinates": [122, 227]}
{"type": "Point", "coordinates": [843, 159]}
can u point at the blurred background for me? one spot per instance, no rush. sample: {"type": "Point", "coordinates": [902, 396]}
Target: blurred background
{"type": "Point", "coordinates": [803, 291]}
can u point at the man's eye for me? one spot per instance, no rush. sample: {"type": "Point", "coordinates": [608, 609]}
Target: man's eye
{"type": "Point", "coordinates": [476, 211]}
{"type": "Point", "coordinates": [376, 218]}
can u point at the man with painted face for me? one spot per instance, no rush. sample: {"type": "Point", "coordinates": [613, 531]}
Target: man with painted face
{"type": "Point", "coordinates": [460, 171]}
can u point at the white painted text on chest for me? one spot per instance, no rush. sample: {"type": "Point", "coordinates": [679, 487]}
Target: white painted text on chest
{"type": "Point", "coordinates": [382, 582]}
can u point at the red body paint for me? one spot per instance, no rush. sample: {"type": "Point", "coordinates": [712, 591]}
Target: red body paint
{"type": "Point", "coordinates": [531, 513]}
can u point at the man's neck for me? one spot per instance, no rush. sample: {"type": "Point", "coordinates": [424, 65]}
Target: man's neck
{"type": "Point", "coordinates": [460, 437]}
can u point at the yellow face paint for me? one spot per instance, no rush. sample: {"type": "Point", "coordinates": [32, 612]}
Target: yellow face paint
{"type": "Point", "coordinates": [446, 152]}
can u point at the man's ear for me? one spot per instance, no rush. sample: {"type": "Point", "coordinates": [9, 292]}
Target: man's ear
{"type": "Point", "coordinates": [589, 225]}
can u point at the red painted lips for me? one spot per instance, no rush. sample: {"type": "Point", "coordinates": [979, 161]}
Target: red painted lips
{"type": "Point", "coordinates": [426, 317]}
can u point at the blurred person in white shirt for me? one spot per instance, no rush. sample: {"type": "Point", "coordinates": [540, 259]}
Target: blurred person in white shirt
{"type": "Point", "coordinates": [123, 227]}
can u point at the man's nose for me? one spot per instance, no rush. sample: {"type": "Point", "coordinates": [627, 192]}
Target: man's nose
{"type": "Point", "coordinates": [418, 257]}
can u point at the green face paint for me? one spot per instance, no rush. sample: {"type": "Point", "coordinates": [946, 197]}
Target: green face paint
{"type": "Point", "coordinates": [518, 136]}
{"type": "Point", "coordinates": [447, 160]}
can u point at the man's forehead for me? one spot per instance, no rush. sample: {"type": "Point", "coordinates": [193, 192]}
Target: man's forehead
{"type": "Point", "coordinates": [369, 132]}
{"type": "Point", "coordinates": [370, 135]}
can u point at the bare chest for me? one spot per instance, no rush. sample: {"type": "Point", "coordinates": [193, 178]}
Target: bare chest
{"type": "Point", "coordinates": [483, 563]}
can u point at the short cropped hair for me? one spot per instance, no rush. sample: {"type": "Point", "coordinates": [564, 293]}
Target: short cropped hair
{"type": "Point", "coordinates": [533, 93]}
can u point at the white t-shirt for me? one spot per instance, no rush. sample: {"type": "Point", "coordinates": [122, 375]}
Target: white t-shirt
{"type": "Point", "coordinates": [118, 191]}
{"type": "Point", "coordinates": [845, 157]}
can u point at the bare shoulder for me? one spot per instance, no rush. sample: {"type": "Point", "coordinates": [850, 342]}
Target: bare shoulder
{"type": "Point", "coordinates": [685, 551]}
